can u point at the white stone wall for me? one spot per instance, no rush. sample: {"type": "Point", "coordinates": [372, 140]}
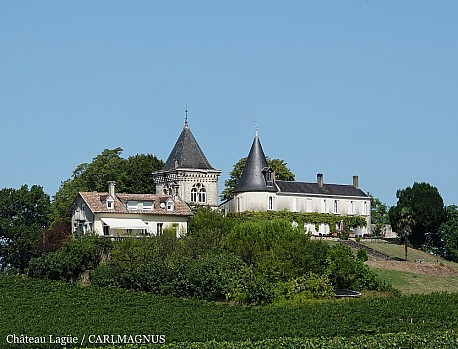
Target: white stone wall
{"type": "Point", "coordinates": [259, 201]}
{"type": "Point", "coordinates": [151, 220]}
{"type": "Point", "coordinates": [253, 201]}
{"type": "Point", "coordinates": [186, 179]}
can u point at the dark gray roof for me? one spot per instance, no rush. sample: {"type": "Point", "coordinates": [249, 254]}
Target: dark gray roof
{"type": "Point", "coordinates": [186, 153]}
{"type": "Point", "coordinates": [314, 188]}
{"type": "Point", "coordinates": [252, 178]}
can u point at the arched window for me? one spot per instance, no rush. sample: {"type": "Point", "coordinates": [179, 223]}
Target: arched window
{"type": "Point", "coordinates": [202, 195]}
{"type": "Point", "coordinates": [194, 195]}
{"type": "Point", "coordinates": [198, 194]}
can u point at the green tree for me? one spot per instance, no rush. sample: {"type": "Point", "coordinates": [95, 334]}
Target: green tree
{"type": "Point", "coordinates": [206, 230]}
{"type": "Point", "coordinates": [428, 212]}
{"type": "Point", "coordinates": [404, 226]}
{"type": "Point", "coordinates": [23, 217]}
{"type": "Point", "coordinates": [276, 250]}
{"type": "Point", "coordinates": [132, 175]}
{"type": "Point", "coordinates": [138, 171]}
{"type": "Point", "coordinates": [449, 234]}
{"type": "Point", "coordinates": [379, 214]}
{"type": "Point", "coordinates": [282, 172]}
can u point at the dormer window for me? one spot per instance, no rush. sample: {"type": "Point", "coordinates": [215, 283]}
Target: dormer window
{"type": "Point", "coordinates": [269, 176]}
{"type": "Point", "coordinates": [170, 205]}
{"type": "Point", "coordinates": [110, 203]}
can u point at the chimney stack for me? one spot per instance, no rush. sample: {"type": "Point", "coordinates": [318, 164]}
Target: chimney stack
{"type": "Point", "coordinates": [355, 181]}
{"type": "Point", "coordinates": [319, 179]}
{"type": "Point", "coordinates": [111, 188]}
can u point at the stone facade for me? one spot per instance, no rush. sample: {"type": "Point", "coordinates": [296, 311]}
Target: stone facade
{"type": "Point", "coordinates": [258, 190]}
{"type": "Point", "coordinates": [191, 185]}
{"type": "Point", "coordinates": [188, 174]}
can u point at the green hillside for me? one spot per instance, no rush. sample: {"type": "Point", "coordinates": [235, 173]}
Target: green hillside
{"type": "Point", "coordinates": [422, 273]}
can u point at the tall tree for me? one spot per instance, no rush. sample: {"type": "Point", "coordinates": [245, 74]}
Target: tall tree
{"type": "Point", "coordinates": [449, 234]}
{"type": "Point", "coordinates": [138, 171]}
{"type": "Point", "coordinates": [132, 175]}
{"type": "Point", "coordinates": [282, 172]}
{"type": "Point", "coordinates": [404, 226]}
{"type": "Point", "coordinates": [428, 212]}
{"type": "Point", "coordinates": [379, 214]}
{"type": "Point", "coordinates": [23, 217]}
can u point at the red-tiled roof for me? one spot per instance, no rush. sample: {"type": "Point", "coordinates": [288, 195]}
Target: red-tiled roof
{"type": "Point", "coordinates": [96, 202]}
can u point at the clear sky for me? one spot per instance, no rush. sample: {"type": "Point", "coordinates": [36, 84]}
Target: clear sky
{"type": "Point", "coordinates": [359, 87]}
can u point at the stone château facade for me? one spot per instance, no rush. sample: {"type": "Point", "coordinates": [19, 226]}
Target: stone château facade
{"type": "Point", "coordinates": [259, 190]}
{"type": "Point", "coordinates": [188, 174]}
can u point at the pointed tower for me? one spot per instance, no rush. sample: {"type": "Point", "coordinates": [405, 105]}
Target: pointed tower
{"type": "Point", "coordinates": [187, 172]}
{"type": "Point", "coordinates": [256, 189]}
{"type": "Point", "coordinates": [257, 175]}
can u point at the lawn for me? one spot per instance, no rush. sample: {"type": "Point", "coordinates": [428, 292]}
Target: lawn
{"type": "Point", "coordinates": [432, 274]}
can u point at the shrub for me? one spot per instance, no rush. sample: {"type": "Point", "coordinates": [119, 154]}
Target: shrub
{"type": "Point", "coordinates": [103, 276]}
{"type": "Point", "coordinates": [362, 255]}
{"type": "Point", "coordinates": [347, 272]}
{"type": "Point", "coordinates": [206, 231]}
{"type": "Point", "coordinates": [216, 276]}
{"type": "Point", "coordinates": [73, 258]}
{"type": "Point", "coordinates": [276, 249]}
{"type": "Point", "coordinates": [257, 291]}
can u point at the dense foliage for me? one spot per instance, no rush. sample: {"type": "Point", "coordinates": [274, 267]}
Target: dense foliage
{"type": "Point", "coordinates": [379, 215]}
{"type": "Point", "coordinates": [132, 175]}
{"type": "Point", "coordinates": [222, 259]}
{"type": "Point", "coordinates": [41, 308]}
{"type": "Point", "coordinates": [23, 217]}
{"type": "Point", "coordinates": [449, 234]}
{"type": "Point", "coordinates": [301, 218]}
{"type": "Point", "coordinates": [427, 212]}
{"type": "Point", "coordinates": [71, 260]}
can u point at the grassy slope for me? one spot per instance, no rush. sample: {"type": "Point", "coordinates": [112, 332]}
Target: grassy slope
{"type": "Point", "coordinates": [413, 283]}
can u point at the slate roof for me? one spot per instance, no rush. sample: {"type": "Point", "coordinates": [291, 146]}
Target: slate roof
{"type": "Point", "coordinates": [96, 202]}
{"type": "Point", "coordinates": [252, 178]}
{"type": "Point", "coordinates": [315, 189]}
{"type": "Point", "coordinates": [187, 153]}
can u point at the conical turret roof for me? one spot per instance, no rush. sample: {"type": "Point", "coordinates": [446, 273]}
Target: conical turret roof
{"type": "Point", "coordinates": [187, 153]}
{"type": "Point", "coordinates": [253, 178]}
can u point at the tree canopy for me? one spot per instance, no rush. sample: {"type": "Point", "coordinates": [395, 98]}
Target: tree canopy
{"type": "Point", "coordinates": [379, 214]}
{"type": "Point", "coordinates": [427, 211]}
{"type": "Point", "coordinates": [23, 216]}
{"type": "Point", "coordinates": [282, 172]}
{"type": "Point", "coordinates": [449, 234]}
{"type": "Point", "coordinates": [132, 175]}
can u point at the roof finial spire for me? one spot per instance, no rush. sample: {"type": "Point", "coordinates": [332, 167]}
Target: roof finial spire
{"type": "Point", "coordinates": [256, 127]}
{"type": "Point", "coordinates": [186, 117]}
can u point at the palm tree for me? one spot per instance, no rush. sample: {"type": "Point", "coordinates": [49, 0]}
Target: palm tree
{"type": "Point", "coordinates": [405, 225]}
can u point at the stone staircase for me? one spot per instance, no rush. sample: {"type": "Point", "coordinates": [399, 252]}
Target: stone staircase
{"type": "Point", "coordinates": [369, 250]}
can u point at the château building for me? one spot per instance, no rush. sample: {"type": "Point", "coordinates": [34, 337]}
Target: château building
{"type": "Point", "coordinates": [188, 174]}
{"type": "Point", "coordinates": [259, 190]}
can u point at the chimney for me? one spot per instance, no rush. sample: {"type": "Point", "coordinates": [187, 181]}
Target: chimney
{"type": "Point", "coordinates": [355, 181]}
{"type": "Point", "coordinates": [111, 188]}
{"type": "Point", "coordinates": [319, 179]}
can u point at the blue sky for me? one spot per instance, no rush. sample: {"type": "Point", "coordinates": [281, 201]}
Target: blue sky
{"type": "Point", "coordinates": [339, 87]}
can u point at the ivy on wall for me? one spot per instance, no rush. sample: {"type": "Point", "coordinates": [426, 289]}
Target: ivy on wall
{"type": "Point", "coordinates": [349, 222]}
